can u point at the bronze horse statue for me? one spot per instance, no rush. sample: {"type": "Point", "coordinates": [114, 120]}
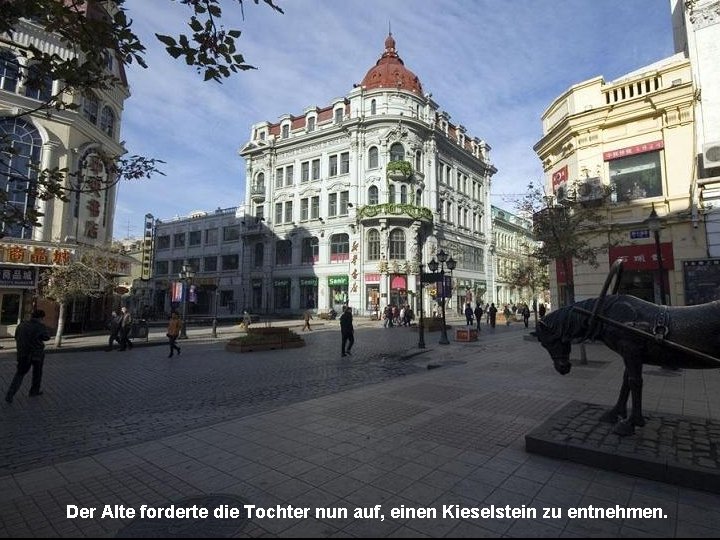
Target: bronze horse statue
{"type": "Point", "coordinates": [641, 333]}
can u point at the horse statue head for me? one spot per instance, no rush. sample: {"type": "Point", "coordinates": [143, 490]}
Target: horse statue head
{"type": "Point", "coordinates": [557, 331]}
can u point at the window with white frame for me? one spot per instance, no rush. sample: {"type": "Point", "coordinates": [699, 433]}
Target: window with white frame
{"type": "Point", "coordinates": [285, 131]}
{"type": "Point", "coordinates": [373, 245]}
{"type": "Point", "coordinates": [373, 160]}
{"type": "Point", "coordinates": [316, 169]}
{"type": "Point", "coordinates": [397, 152]}
{"type": "Point", "coordinates": [391, 194]}
{"type": "Point", "coordinates": [304, 209]}
{"type": "Point", "coordinates": [396, 244]}
{"type": "Point", "coordinates": [339, 116]}
{"type": "Point", "coordinates": [373, 107]}
{"type": "Point", "coordinates": [310, 126]}
{"type": "Point", "coordinates": [305, 171]}
{"type": "Point", "coordinates": [283, 252]}
{"type": "Point", "coordinates": [315, 207]}
{"type": "Point", "coordinates": [373, 197]}
{"type": "Point", "coordinates": [403, 194]}
{"type": "Point", "coordinates": [345, 163]}
{"type": "Point", "coordinates": [332, 204]}
{"type": "Point", "coordinates": [107, 121]}
{"type": "Point", "coordinates": [310, 250]}
{"type": "Point", "coordinates": [339, 247]}
{"type": "Point", "coordinates": [333, 165]}
{"type": "Point", "coordinates": [36, 87]}
{"type": "Point", "coordinates": [278, 213]}
{"type": "Point", "coordinates": [288, 212]}
{"type": "Point", "coordinates": [344, 200]}
{"type": "Point", "coordinates": [90, 109]}
{"type": "Point", "coordinates": [9, 71]}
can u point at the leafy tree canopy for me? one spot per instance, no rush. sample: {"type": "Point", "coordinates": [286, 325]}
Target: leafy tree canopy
{"type": "Point", "coordinates": [93, 30]}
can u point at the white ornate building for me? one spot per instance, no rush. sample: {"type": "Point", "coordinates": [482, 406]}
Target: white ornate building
{"type": "Point", "coordinates": [345, 201]}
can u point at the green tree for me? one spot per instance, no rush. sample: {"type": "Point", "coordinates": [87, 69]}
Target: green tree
{"type": "Point", "coordinates": [563, 231]}
{"type": "Point", "coordinates": [79, 279]}
{"type": "Point", "coordinates": [530, 274]}
{"type": "Point", "coordinates": [94, 30]}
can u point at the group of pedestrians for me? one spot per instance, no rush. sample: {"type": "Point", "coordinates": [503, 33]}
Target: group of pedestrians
{"type": "Point", "coordinates": [120, 327]}
{"type": "Point", "coordinates": [397, 316]}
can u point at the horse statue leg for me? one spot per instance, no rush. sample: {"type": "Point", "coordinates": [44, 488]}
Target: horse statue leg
{"type": "Point", "coordinates": [619, 411]}
{"type": "Point", "coordinates": [635, 383]}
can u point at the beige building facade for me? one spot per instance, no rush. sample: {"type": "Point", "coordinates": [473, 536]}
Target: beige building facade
{"type": "Point", "coordinates": [635, 136]}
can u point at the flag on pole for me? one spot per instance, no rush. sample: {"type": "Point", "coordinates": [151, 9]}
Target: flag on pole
{"type": "Point", "coordinates": [177, 291]}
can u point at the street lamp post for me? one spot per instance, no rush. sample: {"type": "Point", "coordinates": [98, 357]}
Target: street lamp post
{"type": "Point", "coordinates": [421, 328]}
{"type": "Point", "coordinates": [442, 262]}
{"type": "Point", "coordinates": [185, 276]}
{"type": "Point", "coordinates": [653, 223]}
{"type": "Point", "coordinates": [214, 323]}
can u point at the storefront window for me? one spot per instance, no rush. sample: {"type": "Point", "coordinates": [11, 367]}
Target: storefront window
{"type": "Point", "coordinates": [308, 293]}
{"type": "Point", "coordinates": [9, 308]}
{"type": "Point", "coordinates": [636, 177]}
{"type": "Point", "coordinates": [282, 293]}
{"type": "Point", "coordinates": [338, 286]}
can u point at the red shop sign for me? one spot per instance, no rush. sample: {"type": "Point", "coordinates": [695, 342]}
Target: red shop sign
{"type": "Point", "coordinates": [643, 256]}
{"type": "Point", "coordinates": [632, 150]}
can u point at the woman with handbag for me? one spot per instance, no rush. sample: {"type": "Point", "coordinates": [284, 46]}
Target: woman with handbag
{"type": "Point", "coordinates": [173, 331]}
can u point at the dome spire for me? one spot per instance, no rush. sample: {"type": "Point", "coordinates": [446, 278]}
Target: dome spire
{"type": "Point", "coordinates": [390, 71]}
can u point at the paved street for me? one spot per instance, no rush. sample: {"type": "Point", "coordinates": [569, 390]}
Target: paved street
{"type": "Point", "coordinates": [307, 428]}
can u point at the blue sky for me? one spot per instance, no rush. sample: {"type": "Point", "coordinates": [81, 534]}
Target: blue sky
{"type": "Point", "coordinates": [493, 65]}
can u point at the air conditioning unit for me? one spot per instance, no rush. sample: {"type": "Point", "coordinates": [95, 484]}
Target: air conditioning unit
{"type": "Point", "coordinates": [711, 155]}
{"type": "Point", "coordinates": [590, 189]}
{"type": "Point", "coordinates": [562, 193]}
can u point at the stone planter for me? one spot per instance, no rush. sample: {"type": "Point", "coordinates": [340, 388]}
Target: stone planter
{"type": "Point", "coordinates": [466, 334]}
{"type": "Point", "coordinates": [273, 342]}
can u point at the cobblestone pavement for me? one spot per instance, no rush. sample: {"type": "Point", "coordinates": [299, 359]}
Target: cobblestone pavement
{"type": "Point", "coordinates": [104, 400]}
{"type": "Point", "coordinates": [333, 433]}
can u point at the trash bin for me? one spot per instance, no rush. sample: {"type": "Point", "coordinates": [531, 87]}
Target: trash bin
{"type": "Point", "coordinates": [140, 330]}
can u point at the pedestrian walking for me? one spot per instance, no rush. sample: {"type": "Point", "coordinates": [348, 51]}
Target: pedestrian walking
{"type": "Point", "coordinates": [468, 314]}
{"type": "Point", "coordinates": [526, 314]}
{"type": "Point", "coordinates": [507, 313]}
{"type": "Point", "coordinates": [487, 313]}
{"type": "Point", "coordinates": [308, 317]}
{"type": "Point", "coordinates": [542, 310]}
{"type": "Point", "coordinates": [346, 330]}
{"type": "Point", "coordinates": [125, 329]}
{"type": "Point", "coordinates": [173, 331]}
{"type": "Point", "coordinates": [30, 338]}
{"type": "Point", "coordinates": [246, 320]}
{"type": "Point", "coordinates": [492, 313]}
{"type": "Point", "coordinates": [478, 315]}
{"type": "Point", "coordinates": [114, 328]}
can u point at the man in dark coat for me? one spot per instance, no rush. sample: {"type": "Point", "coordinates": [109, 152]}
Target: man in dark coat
{"type": "Point", "coordinates": [30, 338]}
{"type": "Point", "coordinates": [346, 329]}
{"type": "Point", "coordinates": [125, 329]}
{"type": "Point", "coordinates": [468, 314]}
{"type": "Point", "coordinates": [478, 315]}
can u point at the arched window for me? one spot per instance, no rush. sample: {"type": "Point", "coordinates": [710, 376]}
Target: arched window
{"type": "Point", "coordinates": [91, 105]}
{"type": "Point", "coordinates": [403, 194]}
{"type": "Point", "coordinates": [260, 182]}
{"type": "Point", "coordinates": [107, 121]}
{"type": "Point", "coordinates": [397, 152]}
{"type": "Point", "coordinates": [339, 247]}
{"type": "Point", "coordinates": [311, 123]}
{"type": "Point", "coordinates": [373, 195]}
{"type": "Point", "coordinates": [391, 194]}
{"type": "Point", "coordinates": [285, 131]}
{"type": "Point", "coordinates": [8, 71]}
{"type": "Point", "coordinates": [418, 197]}
{"type": "Point", "coordinates": [283, 252]}
{"type": "Point", "coordinates": [373, 107]}
{"type": "Point", "coordinates": [26, 143]}
{"type": "Point", "coordinates": [373, 161]}
{"type": "Point", "coordinates": [373, 245]}
{"type": "Point", "coordinates": [36, 87]}
{"type": "Point", "coordinates": [397, 244]}
{"type": "Point", "coordinates": [418, 160]}
{"type": "Point", "coordinates": [259, 254]}
{"type": "Point", "coordinates": [310, 250]}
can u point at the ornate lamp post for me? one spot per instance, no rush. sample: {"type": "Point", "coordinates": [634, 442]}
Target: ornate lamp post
{"type": "Point", "coordinates": [421, 327]}
{"type": "Point", "coordinates": [186, 276]}
{"type": "Point", "coordinates": [653, 223]}
{"type": "Point", "coordinates": [442, 261]}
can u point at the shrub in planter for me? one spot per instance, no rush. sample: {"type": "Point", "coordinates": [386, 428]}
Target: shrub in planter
{"type": "Point", "coordinates": [284, 338]}
{"type": "Point", "coordinates": [399, 169]}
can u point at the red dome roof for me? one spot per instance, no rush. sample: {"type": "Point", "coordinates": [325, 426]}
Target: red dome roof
{"type": "Point", "coordinates": [390, 72]}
